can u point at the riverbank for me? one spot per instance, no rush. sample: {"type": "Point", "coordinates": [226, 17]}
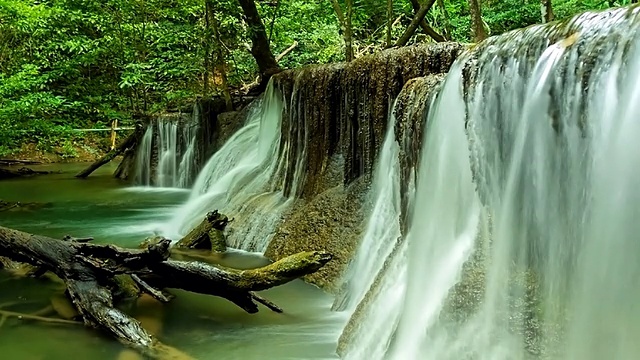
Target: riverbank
{"type": "Point", "coordinates": [86, 147]}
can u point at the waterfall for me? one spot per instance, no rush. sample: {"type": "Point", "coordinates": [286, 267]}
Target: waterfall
{"type": "Point", "coordinates": [143, 158]}
{"type": "Point", "coordinates": [187, 168]}
{"type": "Point", "coordinates": [383, 228]}
{"type": "Point", "coordinates": [167, 152]}
{"type": "Point", "coordinates": [243, 180]}
{"type": "Point", "coordinates": [523, 237]}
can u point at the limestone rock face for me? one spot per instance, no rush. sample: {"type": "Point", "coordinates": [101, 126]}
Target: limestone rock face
{"type": "Point", "coordinates": [342, 110]}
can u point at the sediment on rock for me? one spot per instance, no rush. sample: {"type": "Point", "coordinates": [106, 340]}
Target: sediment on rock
{"type": "Point", "coordinates": [342, 110]}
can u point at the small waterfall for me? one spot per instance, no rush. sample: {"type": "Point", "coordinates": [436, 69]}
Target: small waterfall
{"type": "Point", "coordinates": [166, 155]}
{"type": "Point", "coordinates": [187, 168]}
{"type": "Point", "coordinates": [143, 159]}
{"type": "Point", "coordinates": [383, 228]}
{"type": "Point", "coordinates": [523, 238]}
{"type": "Point", "coordinates": [243, 179]}
{"type": "Point", "coordinates": [445, 220]}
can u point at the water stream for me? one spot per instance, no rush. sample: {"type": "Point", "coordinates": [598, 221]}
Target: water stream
{"type": "Point", "coordinates": [170, 142]}
{"type": "Point", "coordinates": [242, 180]}
{"type": "Point", "coordinates": [523, 242]}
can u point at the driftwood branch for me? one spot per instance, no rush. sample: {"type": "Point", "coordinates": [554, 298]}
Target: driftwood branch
{"type": "Point", "coordinates": [127, 143]}
{"type": "Point", "coordinates": [88, 271]}
{"type": "Point", "coordinates": [287, 51]}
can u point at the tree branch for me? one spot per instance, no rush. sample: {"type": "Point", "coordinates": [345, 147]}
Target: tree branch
{"type": "Point", "coordinates": [417, 20]}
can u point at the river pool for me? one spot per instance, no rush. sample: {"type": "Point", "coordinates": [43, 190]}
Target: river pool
{"type": "Point", "coordinates": [205, 327]}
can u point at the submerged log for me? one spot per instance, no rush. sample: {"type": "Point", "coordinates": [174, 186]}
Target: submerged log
{"type": "Point", "coordinates": [89, 270]}
{"type": "Point", "coordinates": [17, 205]}
{"type": "Point", "coordinates": [6, 162]}
{"type": "Point", "coordinates": [6, 173]}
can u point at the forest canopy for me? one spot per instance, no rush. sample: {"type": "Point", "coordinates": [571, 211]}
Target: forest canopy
{"type": "Point", "coordinates": [68, 64]}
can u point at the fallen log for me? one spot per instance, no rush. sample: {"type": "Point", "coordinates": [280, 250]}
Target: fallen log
{"type": "Point", "coordinates": [15, 162]}
{"type": "Point", "coordinates": [6, 173]}
{"type": "Point", "coordinates": [128, 143]}
{"type": "Point", "coordinates": [208, 235]}
{"type": "Point", "coordinates": [89, 272]}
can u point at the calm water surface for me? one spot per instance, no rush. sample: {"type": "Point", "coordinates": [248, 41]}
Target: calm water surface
{"type": "Point", "coordinates": [203, 326]}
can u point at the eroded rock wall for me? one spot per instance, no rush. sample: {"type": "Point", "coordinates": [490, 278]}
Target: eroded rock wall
{"type": "Point", "coordinates": [342, 111]}
{"type": "Point", "coordinates": [344, 108]}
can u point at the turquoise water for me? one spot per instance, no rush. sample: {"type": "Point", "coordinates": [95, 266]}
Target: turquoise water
{"type": "Point", "coordinates": [204, 327]}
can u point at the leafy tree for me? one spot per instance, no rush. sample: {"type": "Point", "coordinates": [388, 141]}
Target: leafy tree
{"type": "Point", "coordinates": [68, 64]}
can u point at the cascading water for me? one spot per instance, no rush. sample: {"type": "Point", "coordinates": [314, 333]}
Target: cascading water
{"type": "Point", "coordinates": [549, 265]}
{"type": "Point", "coordinates": [167, 152]}
{"type": "Point", "coordinates": [166, 156]}
{"type": "Point", "coordinates": [143, 158]}
{"type": "Point", "coordinates": [383, 228]}
{"type": "Point", "coordinates": [242, 180]}
{"type": "Point", "coordinates": [187, 167]}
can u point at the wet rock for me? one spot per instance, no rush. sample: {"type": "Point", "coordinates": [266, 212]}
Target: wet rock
{"type": "Point", "coordinates": [332, 221]}
{"type": "Point", "coordinates": [344, 108]}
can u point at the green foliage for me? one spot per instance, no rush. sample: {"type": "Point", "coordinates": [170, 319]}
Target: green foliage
{"type": "Point", "coordinates": [76, 63]}
{"type": "Point", "coordinates": [68, 64]}
{"type": "Point", "coordinates": [67, 150]}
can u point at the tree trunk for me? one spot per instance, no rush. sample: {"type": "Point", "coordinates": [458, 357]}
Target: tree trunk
{"type": "Point", "coordinates": [419, 18]}
{"type": "Point", "coordinates": [128, 143]}
{"type": "Point", "coordinates": [207, 46]}
{"type": "Point", "coordinates": [221, 64]}
{"type": "Point", "coordinates": [423, 24]}
{"type": "Point", "coordinates": [345, 26]}
{"type": "Point", "coordinates": [90, 271]}
{"type": "Point", "coordinates": [260, 49]}
{"type": "Point", "coordinates": [546, 10]}
{"type": "Point", "coordinates": [389, 22]}
{"type": "Point", "coordinates": [348, 35]}
{"type": "Point", "coordinates": [477, 27]}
